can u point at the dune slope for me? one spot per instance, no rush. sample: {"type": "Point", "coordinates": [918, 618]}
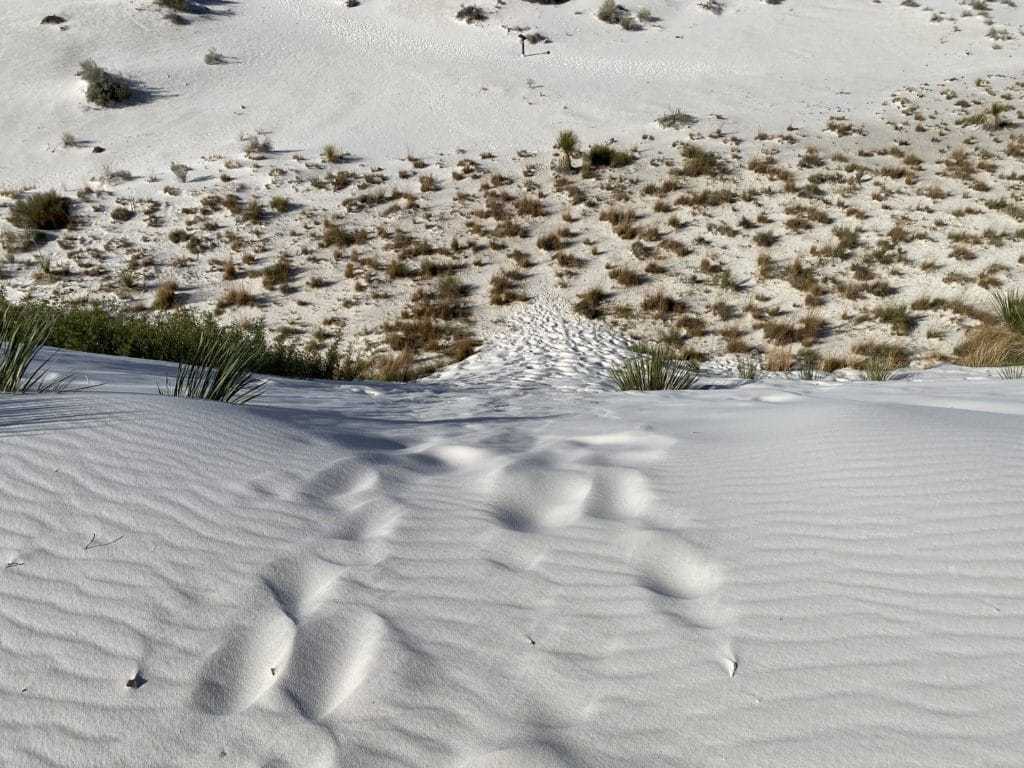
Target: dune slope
{"type": "Point", "coordinates": [477, 572]}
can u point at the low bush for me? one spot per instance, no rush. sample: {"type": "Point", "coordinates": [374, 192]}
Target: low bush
{"type": "Point", "coordinates": [104, 89]}
{"type": "Point", "coordinates": [45, 210]}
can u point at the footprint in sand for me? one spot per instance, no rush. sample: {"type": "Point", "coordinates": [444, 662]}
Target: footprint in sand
{"type": "Point", "coordinates": [332, 656]}
{"type": "Point", "coordinates": [343, 478]}
{"type": "Point", "coordinates": [671, 567]}
{"type": "Point", "coordinates": [242, 669]}
{"type": "Point", "coordinates": [537, 493]}
{"type": "Point", "coordinates": [375, 519]}
{"type": "Point", "coordinates": [298, 584]}
{"type": "Point", "coordinates": [618, 494]}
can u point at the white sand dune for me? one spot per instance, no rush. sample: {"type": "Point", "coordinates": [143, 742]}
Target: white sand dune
{"type": "Point", "coordinates": [508, 563]}
{"type": "Point", "coordinates": [392, 77]}
{"type": "Point", "coordinates": [483, 571]}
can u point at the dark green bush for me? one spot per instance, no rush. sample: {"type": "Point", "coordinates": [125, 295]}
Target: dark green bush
{"type": "Point", "coordinates": [105, 89]}
{"type": "Point", "coordinates": [602, 155]}
{"type": "Point", "coordinates": [173, 336]}
{"type": "Point", "coordinates": [46, 210]}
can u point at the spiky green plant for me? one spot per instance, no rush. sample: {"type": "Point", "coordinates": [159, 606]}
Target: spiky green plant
{"type": "Point", "coordinates": [219, 369]}
{"type": "Point", "coordinates": [1012, 372]}
{"type": "Point", "coordinates": [879, 367]}
{"type": "Point", "coordinates": [22, 337]}
{"type": "Point", "coordinates": [567, 143]}
{"type": "Point", "coordinates": [655, 368]}
{"type": "Point", "coordinates": [748, 368]}
{"type": "Point", "coordinates": [1010, 307]}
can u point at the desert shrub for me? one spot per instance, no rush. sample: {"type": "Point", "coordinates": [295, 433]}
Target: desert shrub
{"type": "Point", "coordinates": [608, 12]}
{"type": "Point", "coordinates": [104, 89]}
{"type": "Point", "coordinates": [471, 14]}
{"type": "Point", "coordinates": [44, 210]}
{"type": "Point", "coordinates": [991, 345]}
{"type": "Point", "coordinates": [661, 304]}
{"type": "Point", "coordinates": [171, 336]}
{"type": "Point", "coordinates": [235, 296]}
{"type": "Point", "coordinates": [603, 155]}
{"type": "Point", "coordinates": [625, 275]}
{"type": "Point", "coordinates": [331, 154]}
{"type": "Point", "coordinates": [591, 303]}
{"type": "Point", "coordinates": [701, 162]}
{"type": "Point", "coordinates": [895, 355]}
{"type": "Point", "coordinates": [550, 241]}
{"type": "Point", "coordinates": [898, 317]}
{"type": "Point", "coordinates": [999, 341]}
{"type": "Point", "coordinates": [655, 368]}
{"type": "Point", "coordinates": [676, 119]}
{"type": "Point", "coordinates": [277, 274]}
{"type": "Point", "coordinates": [180, 171]}
{"type": "Point", "coordinates": [166, 293]}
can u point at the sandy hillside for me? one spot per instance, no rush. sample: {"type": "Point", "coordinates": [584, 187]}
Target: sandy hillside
{"type": "Point", "coordinates": [389, 78]}
{"type": "Point", "coordinates": [508, 562]}
{"type": "Point", "coordinates": [837, 181]}
{"type": "Point", "coordinates": [471, 572]}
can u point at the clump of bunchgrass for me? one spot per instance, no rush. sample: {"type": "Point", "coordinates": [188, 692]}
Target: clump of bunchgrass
{"type": "Point", "coordinates": [219, 369]}
{"type": "Point", "coordinates": [1009, 305]}
{"type": "Point", "coordinates": [22, 336]}
{"type": "Point", "coordinates": [655, 368]}
{"type": "Point", "coordinates": [879, 367]}
{"type": "Point", "coordinates": [748, 368]}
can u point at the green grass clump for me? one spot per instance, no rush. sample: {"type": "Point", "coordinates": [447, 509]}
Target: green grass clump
{"type": "Point", "coordinates": [655, 368]}
{"type": "Point", "coordinates": [44, 210]}
{"type": "Point", "coordinates": [879, 368]}
{"type": "Point", "coordinates": [1009, 305]}
{"type": "Point", "coordinates": [218, 368]}
{"type": "Point", "coordinates": [22, 336]}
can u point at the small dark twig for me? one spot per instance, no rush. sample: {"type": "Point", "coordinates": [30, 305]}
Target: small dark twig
{"type": "Point", "coordinates": [93, 544]}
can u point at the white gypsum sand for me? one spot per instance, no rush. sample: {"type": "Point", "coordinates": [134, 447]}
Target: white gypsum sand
{"type": "Point", "coordinates": [483, 571]}
{"type": "Point", "coordinates": [508, 562]}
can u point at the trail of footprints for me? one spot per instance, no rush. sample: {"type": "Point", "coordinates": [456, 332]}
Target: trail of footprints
{"type": "Point", "coordinates": [303, 642]}
{"type": "Point", "coordinates": [316, 648]}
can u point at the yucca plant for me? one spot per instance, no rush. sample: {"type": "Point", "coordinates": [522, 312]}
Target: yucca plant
{"type": "Point", "coordinates": [1010, 307]}
{"type": "Point", "coordinates": [220, 369]}
{"type": "Point", "coordinates": [655, 368]}
{"type": "Point", "coordinates": [1012, 372]}
{"type": "Point", "coordinates": [879, 367]}
{"type": "Point", "coordinates": [22, 336]}
{"type": "Point", "coordinates": [567, 143]}
{"type": "Point", "coordinates": [748, 368]}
